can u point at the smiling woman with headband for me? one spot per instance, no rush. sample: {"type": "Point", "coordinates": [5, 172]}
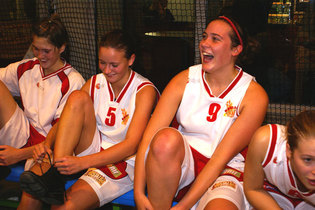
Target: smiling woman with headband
{"type": "Point", "coordinates": [218, 107]}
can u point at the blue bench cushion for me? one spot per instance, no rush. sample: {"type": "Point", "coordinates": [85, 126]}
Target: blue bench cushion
{"type": "Point", "coordinates": [125, 199]}
{"type": "Point", "coordinates": [15, 173]}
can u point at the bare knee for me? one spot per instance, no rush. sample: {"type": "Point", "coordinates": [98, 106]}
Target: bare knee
{"type": "Point", "coordinates": [77, 100]}
{"type": "Point", "coordinates": [220, 203]}
{"type": "Point", "coordinates": [79, 196]}
{"type": "Point", "coordinates": [166, 144]}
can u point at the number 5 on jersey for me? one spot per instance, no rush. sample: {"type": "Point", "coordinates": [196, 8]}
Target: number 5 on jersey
{"type": "Point", "coordinates": [111, 117]}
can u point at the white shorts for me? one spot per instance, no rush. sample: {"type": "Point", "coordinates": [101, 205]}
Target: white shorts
{"type": "Point", "coordinates": [219, 189]}
{"type": "Point", "coordinates": [286, 204]}
{"type": "Point", "coordinates": [228, 188]}
{"type": "Point", "coordinates": [187, 173]}
{"type": "Point", "coordinates": [106, 188]}
{"type": "Point", "coordinates": [94, 147]}
{"type": "Point", "coordinates": [16, 131]}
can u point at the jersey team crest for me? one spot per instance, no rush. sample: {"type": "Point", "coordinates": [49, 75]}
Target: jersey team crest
{"type": "Point", "coordinates": [125, 117]}
{"type": "Point", "coordinates": [230, 109]}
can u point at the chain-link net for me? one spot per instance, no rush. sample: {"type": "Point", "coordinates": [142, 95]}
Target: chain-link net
{"type": "Point", "coordinates": [168, 33]}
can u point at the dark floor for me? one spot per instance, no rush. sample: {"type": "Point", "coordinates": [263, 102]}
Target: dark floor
{"type": "Point", "coordinates": [10, 192]}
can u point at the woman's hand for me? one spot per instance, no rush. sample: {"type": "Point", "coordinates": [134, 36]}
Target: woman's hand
{"type": "Point", "coordinates": [143, 203]}
{"type": "Point", "coordinates": [40, 152]}
{"type": "Point", "coordinates": [8, 155]}
{"type": "Point", "coordinates": [70, 164]}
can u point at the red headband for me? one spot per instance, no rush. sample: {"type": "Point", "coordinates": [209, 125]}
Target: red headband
{"type": "Point", "coordinates": [234, 28]}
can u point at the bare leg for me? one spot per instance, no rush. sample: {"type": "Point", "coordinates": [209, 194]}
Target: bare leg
{"type": "Point", "coordinates": [163, 167]}
{"type": "Point", "coordinates": [75, 133]}
{"type": "Point", "coordinates": [76, 125]}
{"type": "Point", "coordinates": [29, 202]}
{"type": "Point", "coordinates": [7, 105]}
{"type": "Point", "coordinates": [80, 196]}
{"type": "Point", "coordinates": [220, 203]}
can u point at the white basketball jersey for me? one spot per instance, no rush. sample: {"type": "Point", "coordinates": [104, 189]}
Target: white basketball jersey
{"type": "Point", "coordinates": [43, 96]}
{"type": "Point", "coordinates": [277, 167]}
{"type": "Point", "coordinates": [114, 113]}
{"type": "Point", "coordinates": [204, 118]}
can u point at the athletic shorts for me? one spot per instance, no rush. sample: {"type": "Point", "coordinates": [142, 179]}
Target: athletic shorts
{"type": "Point", "coordinates": [226, 186]}
{"type": "Point", "coordinates": [94, 147]}
{"type": "Point", "coordinates": [109, 188]}
{"type": "Point", "coordinates": [16, 131]}
{"type": "Point", "coordinates": [289, 204]}
{"type": "Point", "coordinates": [187, 173]}
{"type": "Point", "coordinates": [108, 182]}
{"type": "Point", "coordinates": [286, 202]}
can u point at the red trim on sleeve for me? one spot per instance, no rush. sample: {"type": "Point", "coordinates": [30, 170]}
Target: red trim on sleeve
{"type": "Point", "coordinates": [25, 67]}
{"type": "Point", "coordinates": [93, 87]}
{"type": "Point", "coordinates": [143, 84]}
{"type": "Point", "coordinates": [273, 140]}
{"type": "Point", "coordinates": [65, 86]}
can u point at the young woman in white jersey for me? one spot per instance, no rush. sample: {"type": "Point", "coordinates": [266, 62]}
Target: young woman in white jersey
{"type": "Point", "coordinates": [280, 165]}
{"type": "Point", "coordinates": [218, 107]}
{"type": "Point", "coordinates": [43, 83]}
{"type": "Point", "coordinates": [102, 125]}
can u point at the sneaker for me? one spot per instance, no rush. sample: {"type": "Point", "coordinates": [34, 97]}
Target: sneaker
{"type": "Point", "coordinates": [49, 187]}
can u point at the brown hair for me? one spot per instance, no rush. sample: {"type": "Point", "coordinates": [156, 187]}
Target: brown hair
{"type": "Point", "coordinates": [53, 29]}
{"type": "Point", "coordinates": [300, 127]}
{"type": "Point", "coordinates": [120, 40]}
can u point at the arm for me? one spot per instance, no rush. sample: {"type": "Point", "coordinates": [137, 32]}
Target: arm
{"type": "Point", "coordinates": [162, 117]}
{"type": "Point", "coordinates": [76, 82]}
{"type": "Point", "coordinates": [145, 101]}
{"type": "Point", "coordinates": [254, 173]}
{"type": "Point", "coordinates": [252, 113]}
{"type": "Point", "coordinates": [10, 155]}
